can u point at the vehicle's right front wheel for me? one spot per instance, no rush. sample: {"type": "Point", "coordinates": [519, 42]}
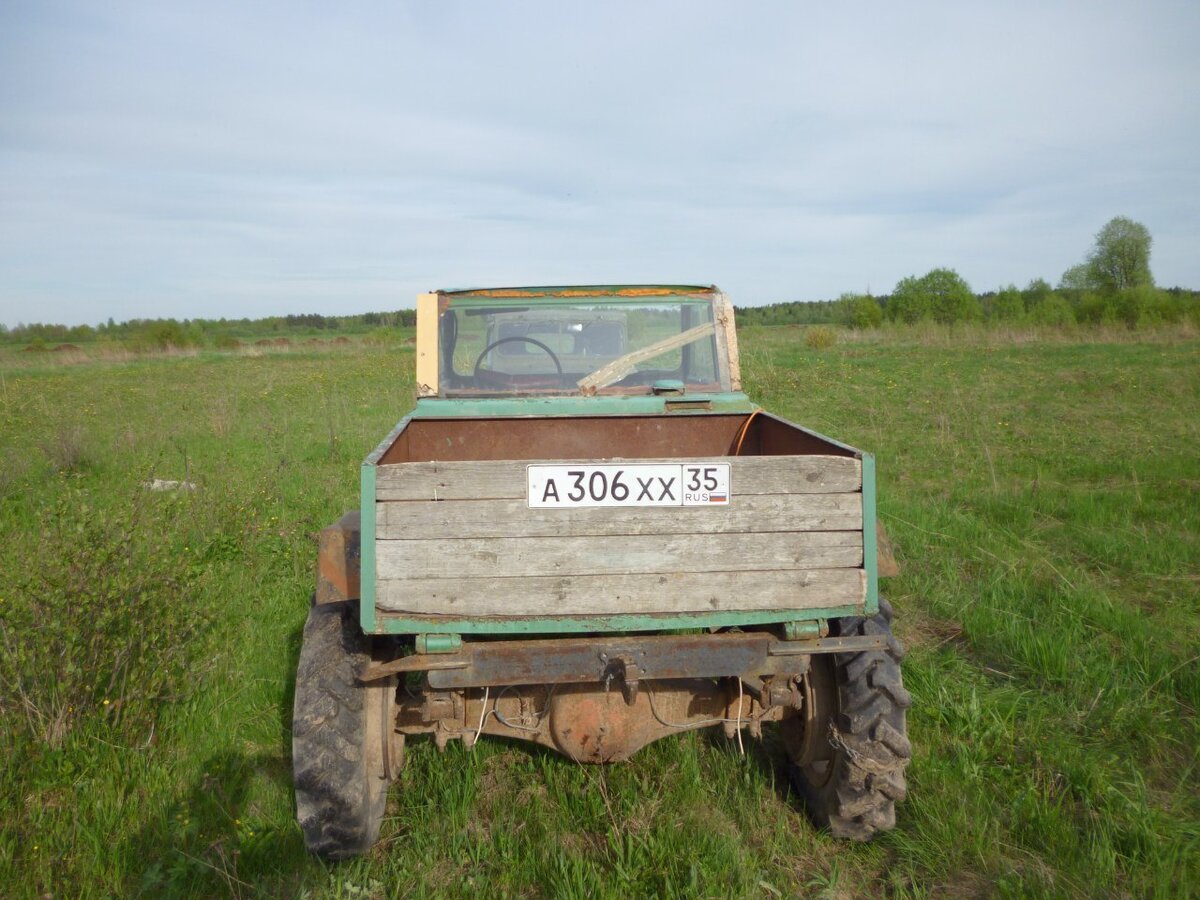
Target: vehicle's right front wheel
{"type": "Point", "coordinates": [849, 743]}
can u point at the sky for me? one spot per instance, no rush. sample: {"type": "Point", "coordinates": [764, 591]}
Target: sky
{"type": "Point", "coordinates": [208, 160]}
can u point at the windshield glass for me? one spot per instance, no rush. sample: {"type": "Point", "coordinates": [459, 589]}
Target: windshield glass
{"type": "Point", "coordinates": [576, 345]}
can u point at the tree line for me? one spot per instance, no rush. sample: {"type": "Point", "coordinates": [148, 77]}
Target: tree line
{"type": "Point", "coordinates": [161, 333]}
{"type": "Point", "coordinates": [1112, 285]}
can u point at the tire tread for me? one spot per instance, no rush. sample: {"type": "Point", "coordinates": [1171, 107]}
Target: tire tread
{"type": "Point", "coordinates": [868, 735]}
{"type": "Point", "coordinates": [339, 801]}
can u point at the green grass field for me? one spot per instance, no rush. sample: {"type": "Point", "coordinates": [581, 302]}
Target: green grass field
{"type": "Point", "coordinates": [1043, 495]}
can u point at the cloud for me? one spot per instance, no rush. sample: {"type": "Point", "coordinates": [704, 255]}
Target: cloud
{"type": "Point", "coordinates": [207, 159]}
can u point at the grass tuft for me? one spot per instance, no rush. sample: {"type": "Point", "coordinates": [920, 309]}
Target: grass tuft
{"type": "Point", "coordinates": [67, 448]}
{"type": "Point", "coordinates": [820, 337]}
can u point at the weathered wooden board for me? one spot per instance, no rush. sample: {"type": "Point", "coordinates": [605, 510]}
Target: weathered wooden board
{"type": "Point", "coordinates": [491, 480]}
{"type": "Point", "coordinates": [690, 592]}
{"type": "Point", "coordinates": [401, 520]}
{"type": "Point", "coordinates": [616, 554]}
{"type": "Point", "coordinates": [622, 366]}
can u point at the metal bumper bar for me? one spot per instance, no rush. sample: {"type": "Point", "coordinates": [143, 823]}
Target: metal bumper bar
{"type": "Point", "coordinates": [750, 655]}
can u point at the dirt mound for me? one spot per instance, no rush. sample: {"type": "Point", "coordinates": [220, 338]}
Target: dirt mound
{"type": "Point", "coordinates": [65, 348]}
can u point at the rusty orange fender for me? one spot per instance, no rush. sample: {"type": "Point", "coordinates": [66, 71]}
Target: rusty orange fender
{"type": "Point", "coordinates": [338, 554]}
{"type": "Point", "coordinates": [888, 565]}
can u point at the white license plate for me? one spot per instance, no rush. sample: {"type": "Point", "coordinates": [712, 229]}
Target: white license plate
{"type": "Point", "coordinates": [632, 484]}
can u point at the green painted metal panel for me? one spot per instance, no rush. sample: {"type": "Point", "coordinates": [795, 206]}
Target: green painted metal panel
{"type": "Point", "coordinates": [802, 631]}
{"type": "Point", "coordinates": [396, 624]}
{"type": "Point", "coordinates": [366, 572]}
{"type": "Point", "coordinates": [438, 643]}
{"type": "Point", "coordinates": [496, 407]}
{"type": "Point", "coordinates": [870, 550]}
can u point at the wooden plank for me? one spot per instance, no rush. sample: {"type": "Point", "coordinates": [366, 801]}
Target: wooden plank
{"type": "Point", "coordinates": [427, 345]}
{"type": "Point", "coordinates": [503, 479]}
{"type": "Point", "coordinates": [401, 520]}
{"type": "Point", "coordinates": [624, 594]}
{"type": "Point", "coordinates": [623, 365]}
{"type": "Point", "coordinates": [727, 346]}
{"type": "Point", "coordinates": [616, 554]}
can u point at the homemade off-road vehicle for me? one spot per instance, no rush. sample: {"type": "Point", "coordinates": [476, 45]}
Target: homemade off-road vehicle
{"type": "Point", "coordinates": [586, 536]}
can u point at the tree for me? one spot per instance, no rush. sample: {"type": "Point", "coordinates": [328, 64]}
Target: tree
{"type": "Point", "coordinates": [1076, 278]}
{"type": "Point", "coordinates": [1121, 257]}
{"type": "Point", "coordinates": [858, 311]}
{"type": "Point", "coordinates": [1054, 310]}
{"type": "Point", "coordinates": [1007, 306]}
{"type": "Point", "coordinates": [1120, 260]}
{"type": "Point", "coordinates": [951, 297]}
{"type": "Point", "coordinates": [909, 303]}
{"type": "Point", "coordinates": [940, 294]}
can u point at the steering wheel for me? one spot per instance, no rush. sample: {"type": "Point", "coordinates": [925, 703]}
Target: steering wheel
{"type": "Point", "coordinates": [509, 340]}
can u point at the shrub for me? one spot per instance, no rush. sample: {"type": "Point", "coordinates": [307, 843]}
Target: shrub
{"type": "Point", "coordinates": [163, 334]}
{"type": "Point", "coordinates": [858, 311]}
{"type": "Point", "coordinates": [1053, 310]}
{"type": "Point", "coordinates": [1096, 309]}
{"type": "Point", "coordinates": [97, 622]}
{"type": "Point", "coordinates": [384, 337]}
{"type": "Point", "coordinates": [1037, 291]}
{"type": "Point", "coordinates": [1007, 306]}
{"type": "Point", "coordinates": [1146, 305]}
{"type": "Point", "coordinates": [820, 337]}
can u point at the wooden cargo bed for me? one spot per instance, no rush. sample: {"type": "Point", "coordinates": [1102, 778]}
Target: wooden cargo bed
{"type": "Point", "coordinates": [455, 536]}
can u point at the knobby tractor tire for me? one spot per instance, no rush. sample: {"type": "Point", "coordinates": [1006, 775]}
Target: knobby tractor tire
{"type": "Point", "coordinates": [849, 769]}
{"type": "Point", "coordinates": [339, 730]}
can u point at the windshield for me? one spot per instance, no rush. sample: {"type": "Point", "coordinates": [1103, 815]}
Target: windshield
{"type": "Point", "coordinates": [577, 345]}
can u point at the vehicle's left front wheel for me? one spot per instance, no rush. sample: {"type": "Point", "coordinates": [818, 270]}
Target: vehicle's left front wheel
{"type": "Point", "coordinates": [344, 747]}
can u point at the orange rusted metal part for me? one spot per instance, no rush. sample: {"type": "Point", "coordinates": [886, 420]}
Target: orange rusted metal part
{"type": "Point", "coordinates": [338, 559]}
{"type": "Point", "coordinates": [888, 566]}
{"type": "Point", "coordinates": [596, 726]}
{"type": "Point", "coordinates": [637, 290]}
{"type": "Point", "coordinates": [589, 723]}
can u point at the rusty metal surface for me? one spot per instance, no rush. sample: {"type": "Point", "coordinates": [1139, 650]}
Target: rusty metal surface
{"type": "Point", "coordinates": [585, 722]}
{"type": "Point", "coordinates": [888, 566]}
{"type": "Point", "coordinates": [769, 435]}
{"type": "Point", "coordinates": [415, 663]}
{"type": "Point", "coordinates": [633, 437]}
{"type": "Point", "coordinates": [850, 644]}
{"type": "Point", "coordinates": [618, 661]}
{"type": "Point", "coordinates": [632, 290]}
{"type": "Point", "coordinates": [806, 735]}
{"type": "Point", "coordinates": [614, 661]}
{"type": "Point", "coordinates": [591, 437]}
{"type": "Point", "coordinates": [338, 555]}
